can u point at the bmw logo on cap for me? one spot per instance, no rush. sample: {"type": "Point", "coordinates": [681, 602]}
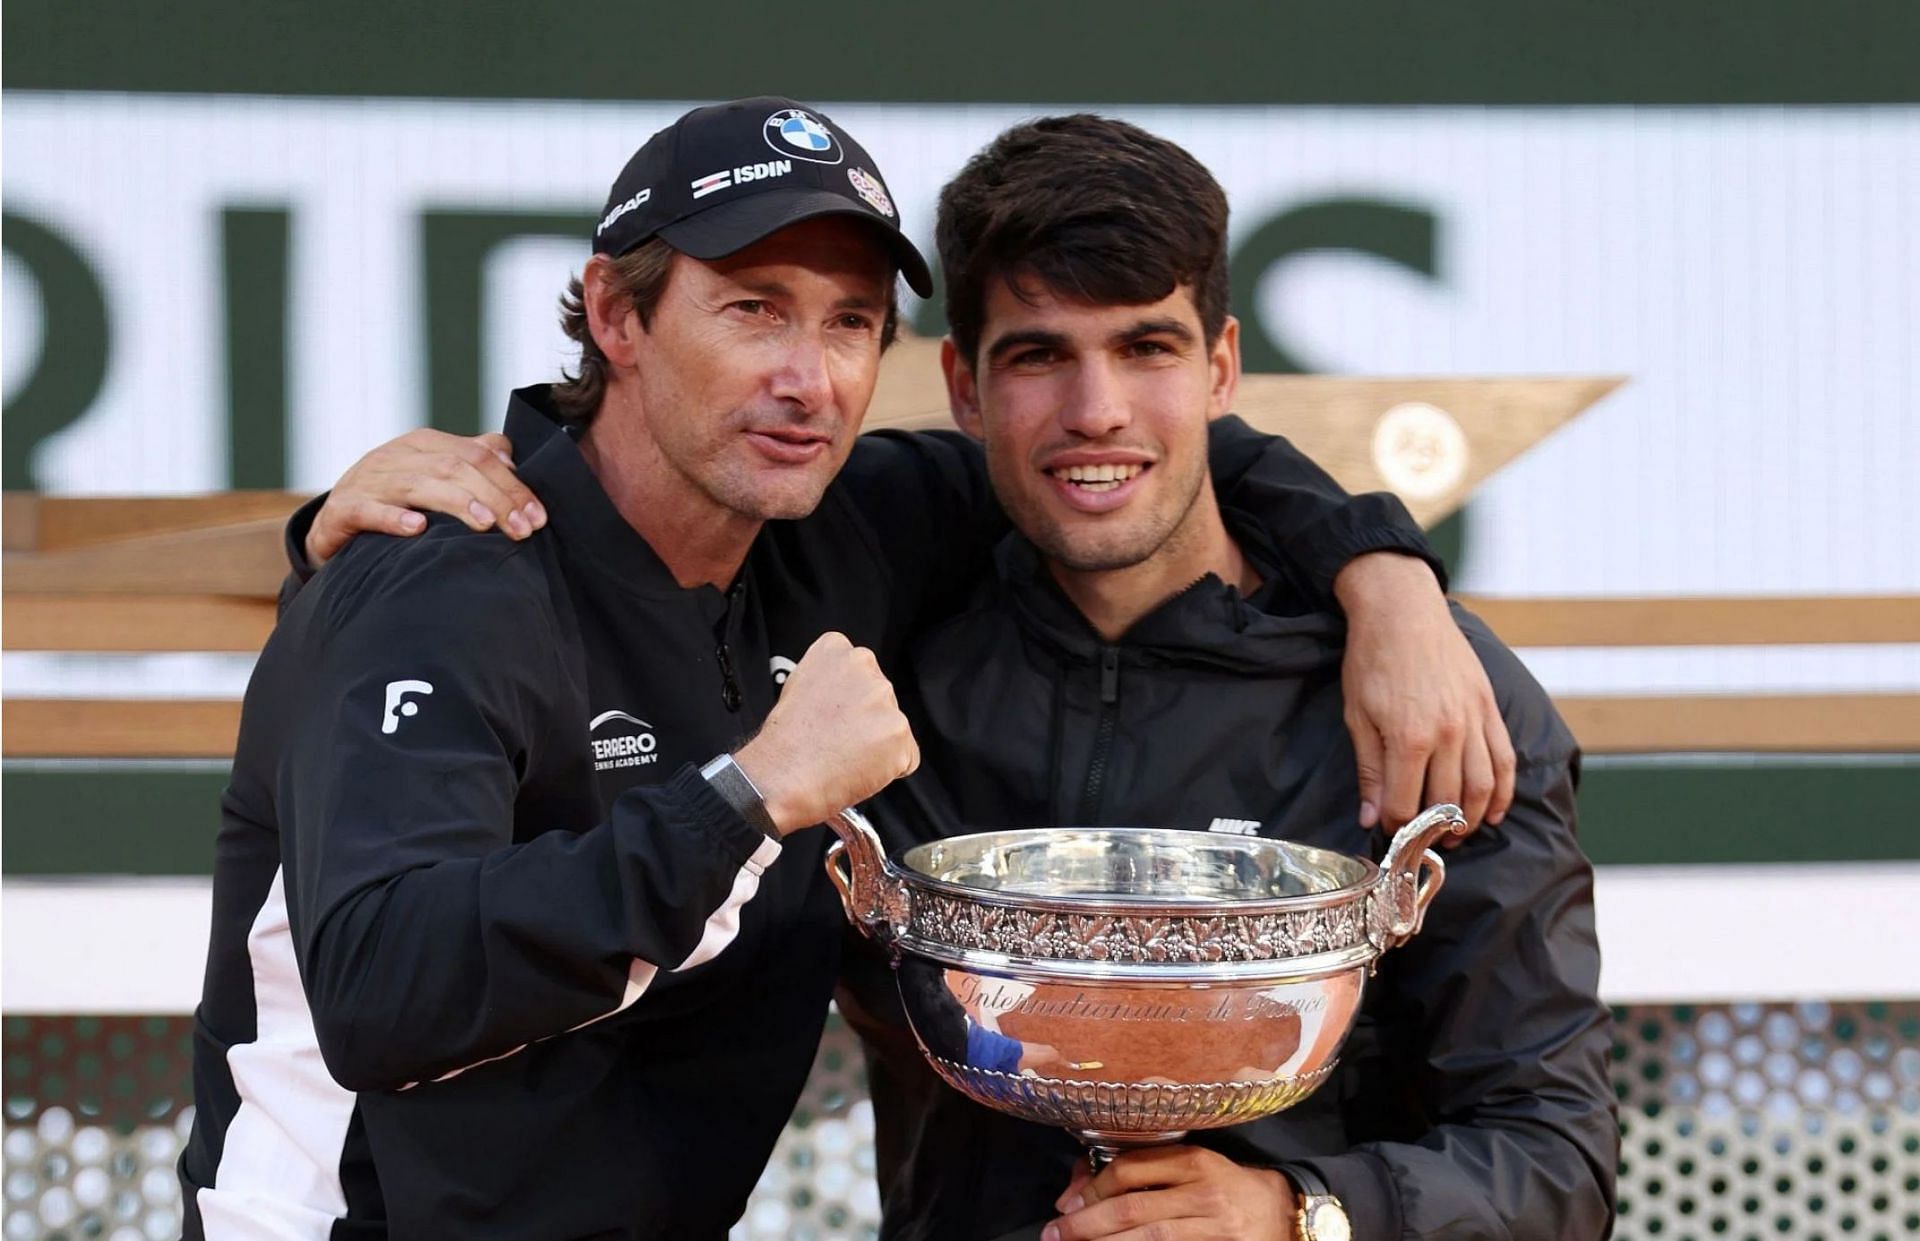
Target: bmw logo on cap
{"type": "Point", "coordinates": [802, 135]}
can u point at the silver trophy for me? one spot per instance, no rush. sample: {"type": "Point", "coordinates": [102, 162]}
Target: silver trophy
{"type": "Point", "coordinates": [1134, 984]}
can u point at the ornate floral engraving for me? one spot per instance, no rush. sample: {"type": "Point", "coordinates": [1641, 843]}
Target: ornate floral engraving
{"type": "Point", "coordinates": [957, 923]}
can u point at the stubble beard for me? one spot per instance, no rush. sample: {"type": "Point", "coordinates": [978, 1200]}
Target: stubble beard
{"type": "Point", "coordinates": [735, 489]}
{"type": "Point", "coordinates": [1090, 549]}
{"type": "Point", "coordinates": [724, 471]}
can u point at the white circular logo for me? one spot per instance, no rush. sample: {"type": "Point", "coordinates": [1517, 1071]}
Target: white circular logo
{"type": "Point", "coordinates": [1420, 451]}
{"type": "Point", "coordinates": [802, 135]}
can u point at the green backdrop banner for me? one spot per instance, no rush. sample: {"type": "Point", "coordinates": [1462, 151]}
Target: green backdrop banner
{"type": "Point", "coordinates": [1231, 51]}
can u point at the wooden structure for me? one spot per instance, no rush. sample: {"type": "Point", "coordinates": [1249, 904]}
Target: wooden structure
{"type": "Point", "coordinates": [200, 574]}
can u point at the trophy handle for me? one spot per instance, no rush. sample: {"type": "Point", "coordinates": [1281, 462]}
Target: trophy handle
{"type": "Point", "coordinates": [870, 889]}
{"type": "Point", "coordinates": [1410, 876]}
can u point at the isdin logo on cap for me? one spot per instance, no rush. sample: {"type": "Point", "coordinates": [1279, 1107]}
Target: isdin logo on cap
{"type": "Point", "coordinates": [802, 135]}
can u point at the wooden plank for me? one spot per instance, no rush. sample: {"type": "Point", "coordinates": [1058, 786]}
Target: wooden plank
{"type": "Point", "coordinates": [20, 520]}
{"type": "Point", "coordinates": [1705, 621]}
{"type": "Point", "coordinates": [1430, 441]}
{"type": "Point", "coordinates": [1811, 723]}
{"type": "Point", "coordinates": [127, 728]}
{"type": "Point", "coordinates": [35, 622]}
{"type": "Point", "coordinates": [64, 522]}
{"type": "Point", "coordinates": [210, 622]}
{"type": "Point", "coordinates": [245, 558]}
{"type": "Point", "coordinates": [910, 391]}
{"type": "Point", "coordinates": [1837, 724]}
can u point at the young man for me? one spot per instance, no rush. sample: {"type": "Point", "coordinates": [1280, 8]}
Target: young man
{"type": "Point", "coordinates": [1144, 657]}
{"type": "Point", "coordinates": [500, 946]}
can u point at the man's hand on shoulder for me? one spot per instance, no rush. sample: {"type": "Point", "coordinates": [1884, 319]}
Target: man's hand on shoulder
{"type": "Point", "coordinates": [835, 738]}
{"type": "Point", "coordinates": [1185, 1192]}
{"type": "Point", "coordinates": [425, 471]}
{"type": "Point", "coordinates": [1426, 728]}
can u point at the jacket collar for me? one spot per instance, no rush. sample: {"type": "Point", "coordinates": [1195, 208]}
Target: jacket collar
{"type": "Point", "coordinates": [590, 529]}
{"type": "Point", "coordinates": [1210, 623]}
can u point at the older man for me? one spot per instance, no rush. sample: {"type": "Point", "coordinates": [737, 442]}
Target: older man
{"type": "Point", "coordinates": [506, 939]}
{"type": "Point", "coordinates": [491, 935]}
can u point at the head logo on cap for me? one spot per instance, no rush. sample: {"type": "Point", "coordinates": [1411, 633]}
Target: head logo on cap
{"type": "Point", "coordinates": [792, 131]}
{"type": "Point", "coordinates": [868, 187]}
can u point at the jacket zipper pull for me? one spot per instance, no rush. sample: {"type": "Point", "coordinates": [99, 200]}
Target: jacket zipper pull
{"type": "Point", "coordinates": [1109, 674]}
{"type": "Point", "coordinates": [729, 685]}
{"type": "Point", "coordinates": [729, 688]}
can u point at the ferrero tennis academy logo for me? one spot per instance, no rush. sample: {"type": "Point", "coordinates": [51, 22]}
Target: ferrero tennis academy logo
{"type": "Point", "coordinates": [622, 740]}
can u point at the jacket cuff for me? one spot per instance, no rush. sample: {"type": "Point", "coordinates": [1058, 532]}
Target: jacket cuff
{"type": "Point", "coordinates": [738, 841]}
{"type": "Point", "coordinates": [296, 539]}
{"type": "Point", "coordinates": [1364, 1185]}
{"type": "Point", "coordinates": [1374, 522]}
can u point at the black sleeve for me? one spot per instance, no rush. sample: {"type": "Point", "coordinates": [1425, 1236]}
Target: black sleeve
{"type": "Point", "coordinates": [428, 940]}
{"type": "Point", "coordinates": [299, 572]}
{"type": "Point", "coordinates": [927, 511]}
{"type": "Point", "coordinates": [1315, 525]}
{"type": "Point", "coordinates": [1496, 1012]}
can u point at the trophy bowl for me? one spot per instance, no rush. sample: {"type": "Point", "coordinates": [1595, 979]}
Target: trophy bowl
{"type": "Point", "coordinates": [1134, 984]}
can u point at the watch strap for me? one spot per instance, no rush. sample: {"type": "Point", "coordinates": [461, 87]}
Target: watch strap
{"type": "Point", "coordinates": [1307, 1181]}
{"type": "Point", "coordinates": [738, 791]}
{"type": "Point", "coordinates": [1319, 1215]}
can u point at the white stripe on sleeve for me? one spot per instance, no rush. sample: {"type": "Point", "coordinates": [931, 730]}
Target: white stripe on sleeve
{"type": "Point", "coordinates": [279, 1173]}
{"type": "Point", "coordinates": [722, 927]}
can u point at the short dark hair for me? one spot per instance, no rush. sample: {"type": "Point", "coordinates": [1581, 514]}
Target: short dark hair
{"type": "Point", "coordinates": [642, 276]}
{"type": "Point", "coordinates": [642, 273]}
{"type": "Point", "coordinates": [1093, 208]}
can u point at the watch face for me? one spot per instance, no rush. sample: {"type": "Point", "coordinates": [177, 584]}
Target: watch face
{"type": "Point", "coordinates": [1326, 1221]}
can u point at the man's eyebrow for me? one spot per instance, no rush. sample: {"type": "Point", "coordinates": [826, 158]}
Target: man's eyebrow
{"type": "Point", "coordinates": [1152, 327]}
{"type": "Point", "coordinates": [765, 288]}
{"type": "Point", "coordinates": [1024, 338]}
{"type": "Point", "coordinates": [778, 289]}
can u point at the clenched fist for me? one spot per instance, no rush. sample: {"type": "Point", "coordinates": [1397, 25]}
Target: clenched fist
{"type": "Point", "coordinates": [837, 737]}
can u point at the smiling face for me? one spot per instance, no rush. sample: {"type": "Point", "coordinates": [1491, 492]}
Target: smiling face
{"type": "Point", "coordinates": [749, 385]}
{"type": "Point", "coordinates": [1095, 420]}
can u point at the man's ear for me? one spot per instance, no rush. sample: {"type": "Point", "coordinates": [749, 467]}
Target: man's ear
{"type": "Point", "coordinates": [611, 316]}
{"type": "Point", "coordinates": [1224, 360]}
{"type": "Point", "coordinates": [963, 391]}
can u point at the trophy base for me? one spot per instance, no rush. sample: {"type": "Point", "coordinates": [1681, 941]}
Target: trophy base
{"type": "Point", "coordinates": [1127, 1114]}
{"type": "Point", "coordinates": [1105, 1145]}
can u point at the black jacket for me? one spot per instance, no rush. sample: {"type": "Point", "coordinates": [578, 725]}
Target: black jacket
{"type": "Point", "coordinates": [1472, 1099]}
{"type": "Point", "coordinates": [488, 958]}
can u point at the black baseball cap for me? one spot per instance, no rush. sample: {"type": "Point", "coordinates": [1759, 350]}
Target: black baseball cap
{"type": "Point", "coordinates": [722, 177]}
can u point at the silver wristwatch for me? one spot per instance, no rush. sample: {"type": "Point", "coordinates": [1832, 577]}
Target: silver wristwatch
{"type": "Point", "coordinates": [738, 791]}
{"type": "Point", "coordinates": [1319, 1215]}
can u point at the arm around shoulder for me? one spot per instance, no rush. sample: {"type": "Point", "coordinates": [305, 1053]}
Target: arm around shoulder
{"type": "Point", "coordinates": [926, 514]}
{"type": "Point", "coordinates": [1315, 523]}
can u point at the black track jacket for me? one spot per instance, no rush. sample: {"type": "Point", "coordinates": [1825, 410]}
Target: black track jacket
{"type": "Point", "coordinates": [488, 958]}
{"type": "Point", "coordinates": [1472, 1100]}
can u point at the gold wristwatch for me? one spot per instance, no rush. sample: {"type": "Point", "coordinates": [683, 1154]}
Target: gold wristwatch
{"type": "Point", "coordinates": [1319, 1216]}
